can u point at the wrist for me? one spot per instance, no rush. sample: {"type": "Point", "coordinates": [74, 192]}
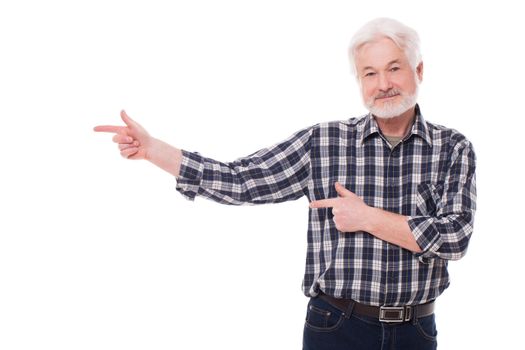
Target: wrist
{"type": "Point", "coordinates": [164, 156]}
{"type": "Point", "coordinates": [152, 149]}
{"type": "Point", "coordinates": [370, 219]}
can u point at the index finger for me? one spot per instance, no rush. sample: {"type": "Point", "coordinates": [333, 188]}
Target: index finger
{"type": "Point", "coordinates": [108, 128]}
{"type": "Point", "coordinates": [324, 203]}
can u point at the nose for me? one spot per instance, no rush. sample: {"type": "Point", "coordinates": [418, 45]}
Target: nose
{"type": "Point", "coordinates": [384, 82]}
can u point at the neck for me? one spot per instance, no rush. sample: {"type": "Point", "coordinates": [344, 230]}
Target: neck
{"type": "Point", "coordinates": [397, 126]}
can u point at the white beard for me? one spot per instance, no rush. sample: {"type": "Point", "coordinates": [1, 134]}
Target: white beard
{"type": "Point", "coordinates": [392, 109]}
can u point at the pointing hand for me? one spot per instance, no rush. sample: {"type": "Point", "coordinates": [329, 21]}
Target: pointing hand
{"type": "Point", "coordinates": [133, 140]}
{"type": "Point", "coordinates": [350, 212]}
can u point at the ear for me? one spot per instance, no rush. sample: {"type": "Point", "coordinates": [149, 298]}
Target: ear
{"type": "Point", "coordinates": [419, 71]}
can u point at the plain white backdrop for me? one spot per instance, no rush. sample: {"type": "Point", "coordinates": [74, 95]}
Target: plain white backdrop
{"type": "Point", "coordinates": [98, 252]}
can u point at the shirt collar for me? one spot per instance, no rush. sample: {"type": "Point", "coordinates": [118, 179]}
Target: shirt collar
{"type": "Point", "coordinates": [419, 127]}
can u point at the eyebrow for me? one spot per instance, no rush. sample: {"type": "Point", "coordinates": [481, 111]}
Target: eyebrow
{"type": "Point", "coordinates": [388, 64]}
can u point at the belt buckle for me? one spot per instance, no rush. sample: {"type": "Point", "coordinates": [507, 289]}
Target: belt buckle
{"type": "Point", "coordinates": [395, 314]}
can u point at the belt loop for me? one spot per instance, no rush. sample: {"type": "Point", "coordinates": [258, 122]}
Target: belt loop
{"type": "Point", "coordinates": [415, 316]}
{"type": "Point", "coordinates": [349, 310]}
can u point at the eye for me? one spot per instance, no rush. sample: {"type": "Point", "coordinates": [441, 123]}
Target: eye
{"type": "Point", "coordinates": [369, 74]}
{"type": "Point", "coordinates": [394, 69]}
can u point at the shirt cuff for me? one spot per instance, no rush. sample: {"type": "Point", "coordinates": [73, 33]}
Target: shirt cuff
{"type": "Point", "coordinates": [190, 174]}
{"type": "Point", "coordinates": [426, 235]}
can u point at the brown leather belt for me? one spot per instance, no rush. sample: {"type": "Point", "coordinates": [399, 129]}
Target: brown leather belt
{"type": "Point", "coordinates": [389, 314]}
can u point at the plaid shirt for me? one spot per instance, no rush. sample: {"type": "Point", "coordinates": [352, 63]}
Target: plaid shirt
{"type": "Point", "coordinates": [428, 177]}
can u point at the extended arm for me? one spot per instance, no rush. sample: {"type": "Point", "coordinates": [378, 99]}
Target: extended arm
{"type": "Point", "coordinates": [275, 174]}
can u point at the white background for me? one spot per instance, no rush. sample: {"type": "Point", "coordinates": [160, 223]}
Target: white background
{"type": "Point", "coordinates": [98, 252]}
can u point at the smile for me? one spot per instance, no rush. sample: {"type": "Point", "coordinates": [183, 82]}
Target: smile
{"type": "Point", "coordinates": [386, 97]}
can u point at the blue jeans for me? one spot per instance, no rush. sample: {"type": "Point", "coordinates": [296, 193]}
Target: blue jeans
{"type": "Point", "coordinates": [328, 328]}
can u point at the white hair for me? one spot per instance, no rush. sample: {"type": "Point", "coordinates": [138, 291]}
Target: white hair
{"type": "Point", "coordinates": [404, 37]}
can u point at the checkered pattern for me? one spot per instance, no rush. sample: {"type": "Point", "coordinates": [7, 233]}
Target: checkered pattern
{"type": "Point", "coordinates": [429, 177]}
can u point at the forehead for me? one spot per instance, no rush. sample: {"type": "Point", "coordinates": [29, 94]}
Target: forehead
{"type": "Point", "coordinates": [378, 54]}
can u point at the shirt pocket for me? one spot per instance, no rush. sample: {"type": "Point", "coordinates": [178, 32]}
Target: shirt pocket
{"type": "Point", "coordinates": [428, 199]}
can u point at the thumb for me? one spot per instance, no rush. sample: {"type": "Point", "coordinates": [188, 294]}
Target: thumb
{"type": "Point", "coordinates": [126, 119]}
{"type": "Point", "coordinates": [341, 190]}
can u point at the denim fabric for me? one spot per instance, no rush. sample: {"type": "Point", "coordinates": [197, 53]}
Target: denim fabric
{"type": "Point", "coordinates": [328, 328]}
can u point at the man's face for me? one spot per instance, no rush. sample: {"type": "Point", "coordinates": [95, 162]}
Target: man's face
{"type": "Point", "coordinates": [388, 84]}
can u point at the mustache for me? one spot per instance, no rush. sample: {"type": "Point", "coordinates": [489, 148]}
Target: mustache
{"type": "Point", "coordinates": [389, 93]}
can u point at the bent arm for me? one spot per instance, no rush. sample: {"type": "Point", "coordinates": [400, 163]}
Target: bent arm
{"type": "Point", "coordinates": [446, 235]}
{"type": "Point", "coordinates": [351, 214]}
{"type": "Point", "coordinates": [393, 228]}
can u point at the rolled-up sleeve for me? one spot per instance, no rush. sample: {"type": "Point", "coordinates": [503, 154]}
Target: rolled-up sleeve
{"type": "Point", "coordinates": [271, 175]}
{"type": "Point", "coordinates": [190, 175]}
{"type": "Point", "coordinates": [446, 235]}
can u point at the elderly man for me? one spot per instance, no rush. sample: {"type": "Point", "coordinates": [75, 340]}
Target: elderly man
{"type": "Point", "coordinates": [392, 199]}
